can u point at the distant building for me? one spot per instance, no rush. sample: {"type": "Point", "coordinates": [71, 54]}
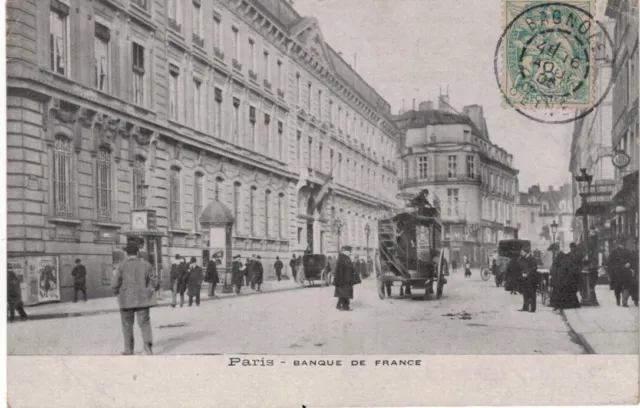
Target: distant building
{"type": "Point", "coordinates": [450, 154]}
{"type": "Point", "coordinates": [538, 209]}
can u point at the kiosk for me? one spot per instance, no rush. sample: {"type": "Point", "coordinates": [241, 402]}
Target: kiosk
{"type": "Point", "coordinates": [217, 220]}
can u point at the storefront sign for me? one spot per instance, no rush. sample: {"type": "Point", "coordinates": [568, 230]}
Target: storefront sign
{"type": "Point", "coordinates": [621, 160]}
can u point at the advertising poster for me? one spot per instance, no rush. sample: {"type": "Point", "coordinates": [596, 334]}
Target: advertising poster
{"type": "Point", "coordinates": [48, 279]}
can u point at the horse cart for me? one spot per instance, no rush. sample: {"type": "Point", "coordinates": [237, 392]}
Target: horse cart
{"type": "Point", "coordinates": [315, 268]}
{"type": "Point", "coordinates": [410, 249]}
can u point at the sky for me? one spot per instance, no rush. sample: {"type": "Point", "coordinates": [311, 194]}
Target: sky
{"type": "Point", "coordinates": [410, 49]}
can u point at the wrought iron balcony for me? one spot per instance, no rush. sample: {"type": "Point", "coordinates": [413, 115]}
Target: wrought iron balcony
{"type": "Point", "coordinates": [197, 40]}
{"type": "Point", "coordinates": [173, 25]}
{"type": "Point", "coordinates": [218, 53]}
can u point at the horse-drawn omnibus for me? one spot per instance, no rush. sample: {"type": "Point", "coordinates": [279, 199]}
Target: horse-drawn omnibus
{"type": "Point", "coordinates": [410, 248]}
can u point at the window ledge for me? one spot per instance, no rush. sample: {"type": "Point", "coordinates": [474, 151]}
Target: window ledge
{"type": "Point", "coordinates": [179, 231]}
{"type": "Point", "coordinates": [107, 224]}
{"type": "Point", "coordinates": [68, 221]}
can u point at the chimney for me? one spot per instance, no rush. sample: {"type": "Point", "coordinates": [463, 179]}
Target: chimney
{"type": "Point", "coordinates": [425, 106]}
{"type": "Point", "coordinates": [476, 114]}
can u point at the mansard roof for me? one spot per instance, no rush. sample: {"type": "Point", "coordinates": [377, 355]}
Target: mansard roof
{"type": "Point", "coordinates": [418, 119]}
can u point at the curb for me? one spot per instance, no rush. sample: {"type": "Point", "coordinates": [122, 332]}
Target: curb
{"type": "Point", "coordinates": [577, 337]}
{"type": "Point", "coordinates": [62, 315]}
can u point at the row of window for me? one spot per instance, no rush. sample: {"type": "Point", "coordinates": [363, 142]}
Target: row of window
{"type": "Point", "coordinates": [425, 173]}
{"type": "Point", "coordinates": [497, 210]}
{"type": "Point", "coordinates": [271, 219]}
{"type": "Point", "coordinates": [345, 170]}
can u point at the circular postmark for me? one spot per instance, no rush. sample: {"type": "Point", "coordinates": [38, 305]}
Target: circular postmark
{"type": "Point", "coordinates": [548, 52]}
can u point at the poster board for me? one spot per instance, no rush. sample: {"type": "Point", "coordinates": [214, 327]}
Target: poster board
{"type": "Point", "coordinates": [48, 272]}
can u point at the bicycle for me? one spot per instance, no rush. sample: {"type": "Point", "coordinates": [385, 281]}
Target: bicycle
{"type": "Point", "coordinates": [543, 291]}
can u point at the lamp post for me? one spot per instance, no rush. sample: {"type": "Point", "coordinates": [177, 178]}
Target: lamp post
{"type": "Point", "coordinates": [367, 231]}
{"type": "Point", "coordinates": [587, 292]}
{"type": "Point", "coordinates": [337, 225]}
{"type": "Point", "coordinates": [554, 230]}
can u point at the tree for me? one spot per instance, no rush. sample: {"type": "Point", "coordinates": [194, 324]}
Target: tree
{"type": "Point", "coordinates": [545, 233]}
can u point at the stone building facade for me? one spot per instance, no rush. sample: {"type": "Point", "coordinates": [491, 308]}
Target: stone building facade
{"type": "Point", "coordinates": [116, 105]}
{"type": "Point", "coordinates": [451, 154]}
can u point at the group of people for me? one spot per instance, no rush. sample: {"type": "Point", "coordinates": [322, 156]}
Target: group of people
{"type": "Point", "coordinates": [523, 276]}
{"type": "Point", "coordinates": [250, 273]}
{"type": "Point", "coordinates": [466, 264]}
{"type": "Point", "coordinates": [188, 277]}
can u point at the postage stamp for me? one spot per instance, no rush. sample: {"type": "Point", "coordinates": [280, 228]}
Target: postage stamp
{"type": "Point", "coordinates": [547, 54]}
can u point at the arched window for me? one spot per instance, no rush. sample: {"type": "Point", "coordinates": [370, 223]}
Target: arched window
{"type": "Point", "coordinates": [252, 210]}
{"type": "Point", "coordinates": [174, 197]}
{"type": "Point", "coordinates": [281, 215]}
{"type": "Point", "coordinates": [139, 183]}
{"type": "Point", "coordinates": [267, 213]}
{"type": "Point", "coordinates": [62, 185]}
{"type": "Point", "coordinates": [236, 204]}
{"type": "Point", "coordinates": [217, 188]}
{"type": "Point", "coordinates": [198, 199]}
{"type": "Point", "coordinates": [103, 184]}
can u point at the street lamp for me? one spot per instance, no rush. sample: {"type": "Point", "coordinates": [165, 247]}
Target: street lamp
{"type": "Point", "coordinates": [337, 225]}
{"type": "Point", "coordinates": [554, 230]}
{"type": "Point", "coordinates": [367, 231]}
{"type": "Point", "coordinates": [587, 292]}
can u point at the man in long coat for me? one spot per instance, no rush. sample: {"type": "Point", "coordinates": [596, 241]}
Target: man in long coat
{"type": "Point", "coordinates": [211, 276]}
{"type": "Point", "coordinates": [512, 274]}
{"type": "Point", "coordinates": [257, 273]}
{"type": "Point", "coordinates": [237, 274]}
{"type": "Point", "coordinates": [293, 264]}
{"type": "Point", "coordinates": [529, 281]}
{"type": "Point", "coordinates": [563, 276]}
{"type": "Point", "coordinates": [14, 295]}
{"type": "Point", "coordinates": [134, 283]}
{"type": "Point", "coordinates": [194, 284]}
{"type": "Point", "coordinates": [278, 265]}
{"type": "Point", "coordinates": [79, 274]}
{"type": "Point", "coordinates": [179, 270]}
{"type": "Point", "coordinates": [344, 279]}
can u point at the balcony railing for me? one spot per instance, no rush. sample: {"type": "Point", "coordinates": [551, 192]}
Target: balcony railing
{"type": "Point", "coordinates": [437, 178]}
{"type": "Point", "coordinates": [197, 40]}
{"type": "Point", "coordinates": [173, 25]}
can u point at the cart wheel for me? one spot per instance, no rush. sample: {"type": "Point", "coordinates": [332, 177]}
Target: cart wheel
{"type": "Point", "coordinates": [485, 273]}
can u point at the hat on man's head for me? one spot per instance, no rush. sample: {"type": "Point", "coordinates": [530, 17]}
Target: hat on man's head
{"type": "Point", "coordinates": [193, 259]}
{"type": "Point", "coordinates": [259, 257]}
{"type": "Point", "coordinates": [177, 256]}
{"type": "Point", "coordinates": [78, 260]}
{"type": "Point", "coordinates": [131, 247]}
{"type": "Point", "coordinates": [347, 248]}
{"type": "Point", "coordinates": [236, 257]}
{"type": "Point", "coordinates": [554, 247]}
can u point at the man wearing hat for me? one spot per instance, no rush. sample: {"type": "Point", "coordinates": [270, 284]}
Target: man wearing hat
{"type": "Point", "coordinates": [237, 273]}
{"type": "Point", "coordinates": [134, 283]}
{"type": "Point", "coordinates": [179, 270]}
{"type": "Point", "coordinates": [257, 273]}
{"type": "Point", "coordinates": [344, 279]}
{"type": "Point", "coordinates": [79, 274]}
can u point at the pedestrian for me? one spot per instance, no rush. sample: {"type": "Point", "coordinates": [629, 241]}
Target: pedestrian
{"type": "Point", "coordinates": [237, 274]}
{"type": "Point", "coordinates": [195, 281]}
{"type": "Point", "coordinates": [79, 274]}
{"type": "Point", "coordinates": [14, 296]}
{"type": "Point", "coordinates": [512, 275]}
{"type": "Point", "coordinates": [562, 280]}
{"type": "Point", "coordinates": [181, 277]}
{"type": "Point", "coordinates": [615, 264]}
{"type": "Point", "coordinates": [211, 276]}
{"type": "Point", "coordinates": [529, 281]}
{"type": "Point", "coordinates": [257, 274]}
{"type": "Point", "coordinates": [467, 268]}
{"type": "Point", "coordinates": [633, 267]}
{"type": "Point", "coordinates": [293, 264]}
{"type": "Point", "coordinates": [278, 265]}
{"type": "Point", "coordinates": [454, 265]}
{"type": "Point", "coordinates": [344, 279]}
{"type": "Point", "coordinates": [134, 282]}
{"type": "Point", "coordinates": [369, 266]}
{"type": "Point", "coordinates": [174, 275]}
{"type": "Point", "coordinates": [248, 271]}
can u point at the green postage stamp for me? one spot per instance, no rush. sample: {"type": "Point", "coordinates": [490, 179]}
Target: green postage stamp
{"type": "Point", "coordinates": [547, 54]}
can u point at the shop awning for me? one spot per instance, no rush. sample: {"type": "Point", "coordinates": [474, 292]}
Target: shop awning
{"type": "Point", "coordinates": [598, 208]}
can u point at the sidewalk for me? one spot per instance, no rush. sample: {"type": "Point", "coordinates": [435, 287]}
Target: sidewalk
{"type": "Point", "coordinates": [606, 329]}
{"type": "Point", "coordinates": [110, 304]}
